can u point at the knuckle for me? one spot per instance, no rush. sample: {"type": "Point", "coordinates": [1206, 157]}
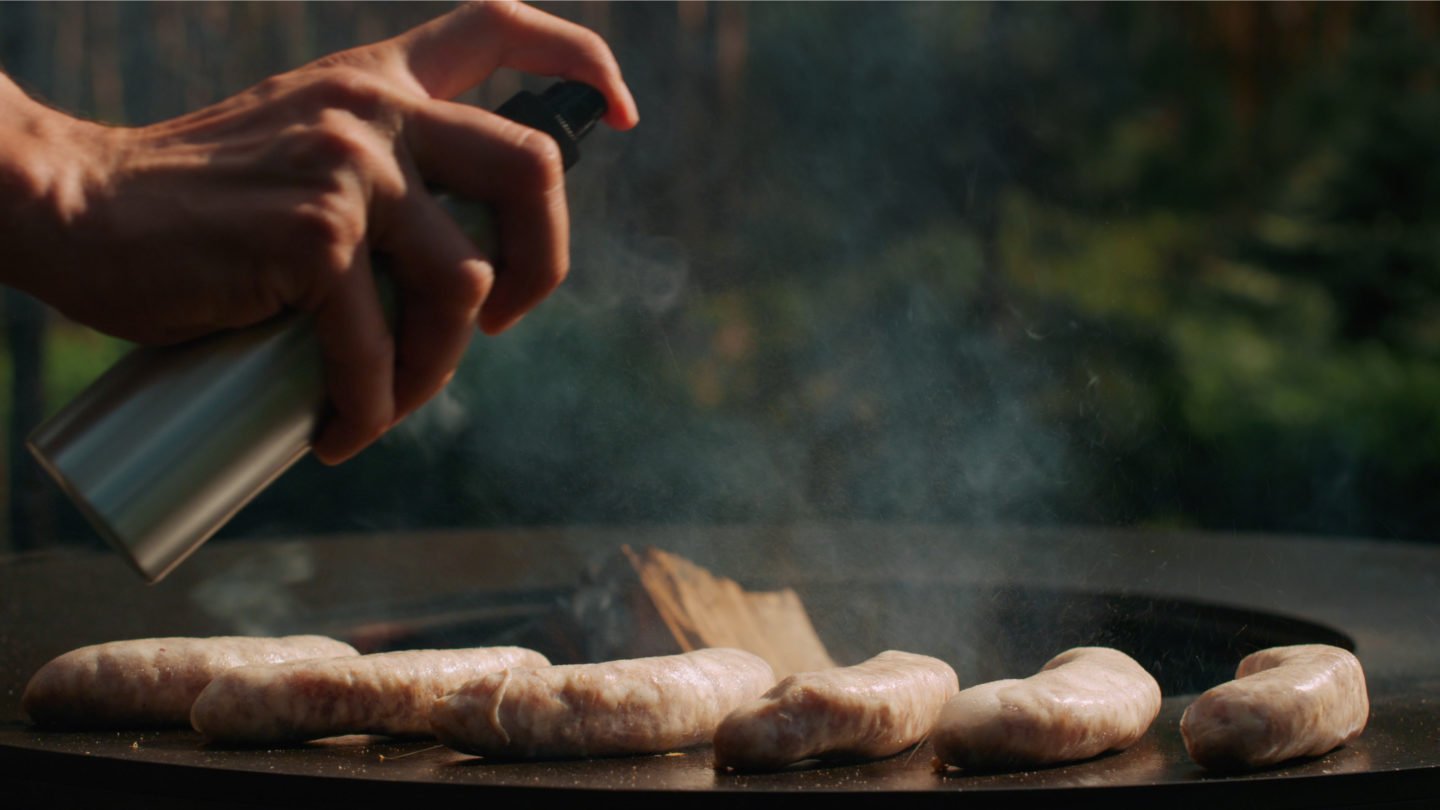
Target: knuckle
{"type": "Point", "coordinates": [335, 140]}
{"type": "Point", "coordinates": [338, 150]}
{"type": "Point", "coordinates": [495, 12]}
{"type": "Point", "coordinates": [543, 279]}
{"type": "Point", "coordinates": [472, 285]}
{"type": "Point", "coordinates": [378, 422]}
{"type": "Point", "coordinates": [370, 419]}
{"type": "Point", "coordinates": [556, 277]}
{"type": "Point", "coordinates": [354, 90]}
{"type": "Point", "coordinates": [339, 147]}
{"type": "Point", "coordinates": [593, 48]}
{"type": "Point", "coordinates": [539, 160]}
{"type": "Point", "coordinates": [274, 86]}
{"type": "Point", "coordinates": [326, 231]}
{"type": "Point", "coordinates": [319, 151]}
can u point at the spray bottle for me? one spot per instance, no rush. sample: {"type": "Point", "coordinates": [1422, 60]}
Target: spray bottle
{"type": "Point", "coordinates": [166, 446]}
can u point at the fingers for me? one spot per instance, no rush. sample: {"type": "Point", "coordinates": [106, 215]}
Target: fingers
{"type": "Point", "coordinates": [359, 359]}
{"type": "Point", "coordinates": [443, 280]}
{"type": "Point", "coordinates": [461, 49]}
{"type": "Point", "coordinates": [446, 284]}
{"type": "Point", "coordinates": [518, 171]}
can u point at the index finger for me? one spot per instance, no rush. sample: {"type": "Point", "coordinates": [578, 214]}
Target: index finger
{"type": "Point", "coordinates": [452, 53]}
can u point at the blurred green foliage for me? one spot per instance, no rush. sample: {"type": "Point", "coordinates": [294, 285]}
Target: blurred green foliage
{"type": "Point", "coordinates": [1130, 264]}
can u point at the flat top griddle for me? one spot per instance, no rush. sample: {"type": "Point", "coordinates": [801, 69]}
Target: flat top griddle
{"type": "Point", "coordinates": [1402, 738]}
{"type": "Point", "coordinates": [989, 593]}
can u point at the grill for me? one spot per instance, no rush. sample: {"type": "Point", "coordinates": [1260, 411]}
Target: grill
{"type": "Point", "coordinates": [994, 603]}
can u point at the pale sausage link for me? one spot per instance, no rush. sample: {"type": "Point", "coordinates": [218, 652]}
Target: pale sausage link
{"type": "Point", "coordinates": [635, 706]}
{"type": "Point", "coordinates": [151, 682]}
{"type": "Point", "coordinates": [385, 693]}
{"type": "Point", "coordinates": [1286, 702]}
{"type": "Point", "coordinates": [1084, 702]}
{"type": "Point", "coordinates": [871, 710]}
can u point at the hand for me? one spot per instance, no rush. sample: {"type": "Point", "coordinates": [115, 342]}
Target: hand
{"type": "Point", "coordinates": [275, 198]}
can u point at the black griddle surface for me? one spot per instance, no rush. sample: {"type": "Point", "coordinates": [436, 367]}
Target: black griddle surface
{"type": "Point", "coordinates": [1395, 763]}
{"type": "Point", "coordinates": [994, 602]}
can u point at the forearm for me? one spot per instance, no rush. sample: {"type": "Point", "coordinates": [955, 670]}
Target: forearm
{"type": "Point", "coordinates": [47, 159]}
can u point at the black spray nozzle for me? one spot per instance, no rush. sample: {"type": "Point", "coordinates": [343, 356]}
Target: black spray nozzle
{"type": "Point", "coordinates": [566, 111]}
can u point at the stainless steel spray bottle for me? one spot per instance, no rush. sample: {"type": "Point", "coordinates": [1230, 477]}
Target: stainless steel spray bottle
{"type": "Point", "coordinates": [165, 447]}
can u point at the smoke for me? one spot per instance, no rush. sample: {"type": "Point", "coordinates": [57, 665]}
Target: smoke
{"type": "Point", "coordinates": [614, 268]}
{"type": "Point", "coordinates": [780, 309]}
{"type": "Point", "coordinates": [781, 306]}
{"type": "Point", "coordinates": [257, 595]}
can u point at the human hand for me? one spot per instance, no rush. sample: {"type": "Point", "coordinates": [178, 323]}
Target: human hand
{"type": "Point", "coordinates": [275, 198]}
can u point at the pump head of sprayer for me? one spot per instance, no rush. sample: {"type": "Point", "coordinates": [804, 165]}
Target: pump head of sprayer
{"type": "Point", "coordinates": [566, 111]}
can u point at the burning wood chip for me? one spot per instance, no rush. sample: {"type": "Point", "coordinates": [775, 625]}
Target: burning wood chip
{"type": "Point", "coordinates": [651, 602]}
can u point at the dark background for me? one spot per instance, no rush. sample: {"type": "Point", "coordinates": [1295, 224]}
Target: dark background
{"type": "Point", "coordinates": [1115, 265]}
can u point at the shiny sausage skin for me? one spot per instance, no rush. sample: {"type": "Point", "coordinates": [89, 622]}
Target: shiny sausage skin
{"type": "Point", "coordinates": [871, 710]}
{"type": "Point", "coordinates": [385, 693]}
{"type": "Point", "coordinates": [1286, 702]}
{"type": "Point", "coordinates": [1084, 702]}
{"type": "Point", "coordinates": [634, 706]}
{"type": "Point", "coordinates": [150, 682]}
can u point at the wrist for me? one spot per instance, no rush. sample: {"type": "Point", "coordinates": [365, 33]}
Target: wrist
{"type": "Point", "coordinates": [50, 163]}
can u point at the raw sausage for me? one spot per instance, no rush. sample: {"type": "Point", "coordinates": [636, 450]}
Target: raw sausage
{"type": "Point", "coordinates": [1084, 702]}
{"type": "Point", "coordinates": [634, 706]}
{"type": "Point", "coordinates": [1286, 702]}
{"type": "Point", "coordinates": [150, 682]}
{"type": "Point", "coordinates": [871, 710]}
{"type": "Point", "coordinates": [385, 693]}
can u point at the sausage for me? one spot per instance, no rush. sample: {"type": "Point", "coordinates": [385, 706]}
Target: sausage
{"type": "Point", "coordinates": [1286, 702]}
{"type": "Point", "coordinates": [385, 693]}
{"type": "Point", "coordinates": [150, 682]}
{"type": "Point", "coordinates": [1084, 702]}
{"type": "Point", "coordinates": [871, 710]}
{"type": "Point", "coordinates": [633, 706]}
